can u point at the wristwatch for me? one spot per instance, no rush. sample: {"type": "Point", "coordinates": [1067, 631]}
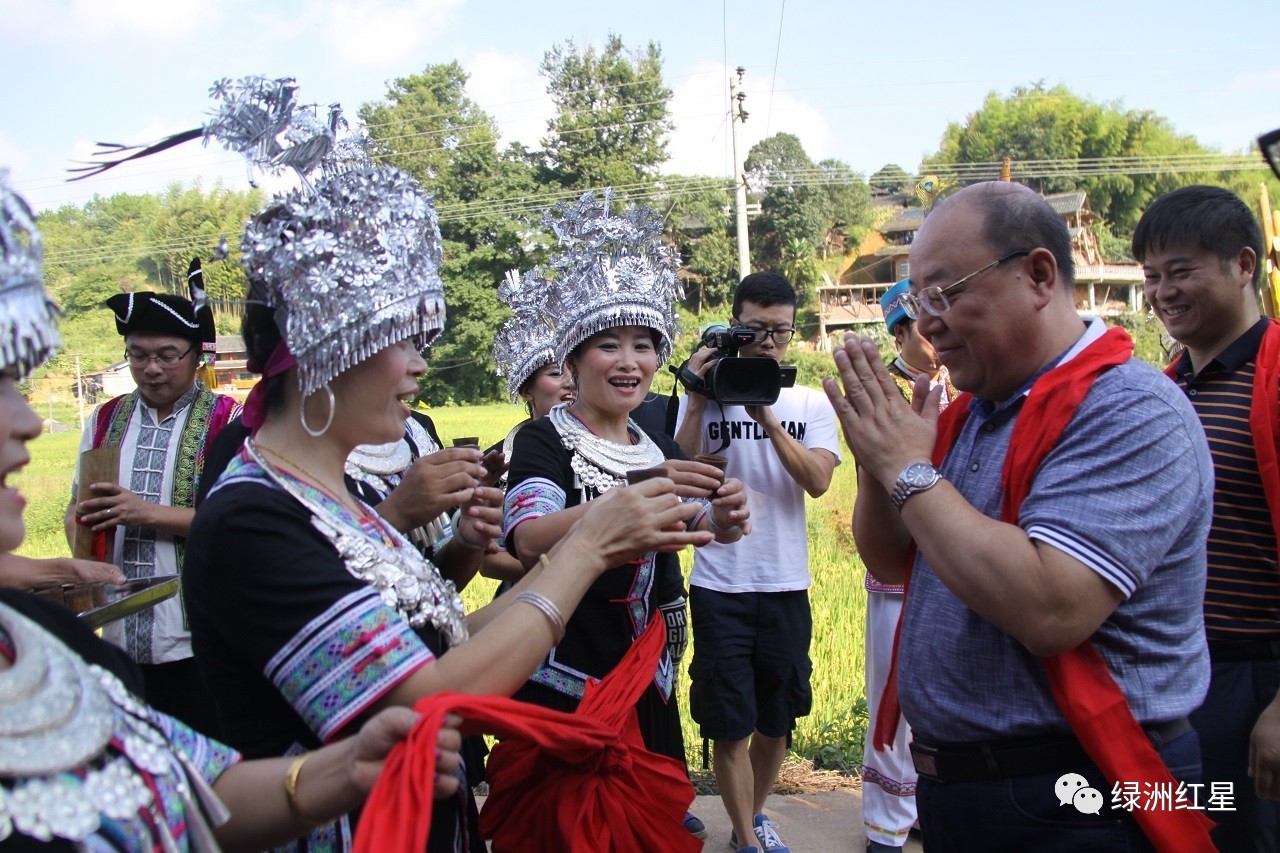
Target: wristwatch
{"type": "Point", "coordinates": [916, 477]}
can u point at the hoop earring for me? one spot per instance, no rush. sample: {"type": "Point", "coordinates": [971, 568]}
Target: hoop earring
{"type": "Point", "coordinates": [302, 414]}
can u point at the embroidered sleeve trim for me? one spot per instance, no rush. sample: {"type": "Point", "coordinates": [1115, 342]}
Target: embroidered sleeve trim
{"type": "Point", "coordinates": [344, 660]}
{"type": "Point", "coordinates": [533, 498]}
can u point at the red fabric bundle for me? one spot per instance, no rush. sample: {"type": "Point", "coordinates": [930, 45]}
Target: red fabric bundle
{"type": "Point", "coordinates": [580, 782]}
{"type": "Point", "coordinates": [1083, 687]}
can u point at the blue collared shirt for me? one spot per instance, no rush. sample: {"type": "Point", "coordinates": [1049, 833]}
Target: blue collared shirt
{"type": "Point", "coordinates": [1128, 491]}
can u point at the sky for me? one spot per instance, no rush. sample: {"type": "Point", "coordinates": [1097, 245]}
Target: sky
{"type": "Point", "coordinates": [867, 84]}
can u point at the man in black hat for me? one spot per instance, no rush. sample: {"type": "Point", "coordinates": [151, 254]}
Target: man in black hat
{"type": "Point", "coordinates": [161, 430]}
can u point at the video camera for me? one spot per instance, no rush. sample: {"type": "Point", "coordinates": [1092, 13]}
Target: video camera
{"type": "Point", "coordinates": [733, 380]}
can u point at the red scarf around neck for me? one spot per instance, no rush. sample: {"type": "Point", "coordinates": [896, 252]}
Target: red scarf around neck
{"type": "Point", "coordinates": [1083, 687]}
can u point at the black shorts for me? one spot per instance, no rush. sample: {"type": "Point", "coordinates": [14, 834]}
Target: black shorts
{"type": "Point", "coordinates": [751, 667]}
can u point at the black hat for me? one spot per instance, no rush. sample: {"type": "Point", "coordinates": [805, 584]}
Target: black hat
{"type": "Point", "coordinates": [166, 314]}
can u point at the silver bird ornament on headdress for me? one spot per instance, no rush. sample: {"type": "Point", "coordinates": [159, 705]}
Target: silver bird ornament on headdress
{"type": "Point", "coordinates": [257, 117]}
{"type": "Point", "coordinates": [28, 316]}
{"type": "Point", "coordinates": [610, 270]}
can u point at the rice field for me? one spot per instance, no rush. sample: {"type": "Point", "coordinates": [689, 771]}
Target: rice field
{"type": "Point", "coordinates": [833, 729]}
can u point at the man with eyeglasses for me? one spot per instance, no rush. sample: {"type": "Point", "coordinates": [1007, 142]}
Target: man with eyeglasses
{"type": "Point", "coordinates": [1050, 529]}
{"type": "Point", "coordinates": [749, 603]}
{"type": "Point", "coordinates": [162, 431]}
{"type": "Point", "coordinates": [1200, 249]}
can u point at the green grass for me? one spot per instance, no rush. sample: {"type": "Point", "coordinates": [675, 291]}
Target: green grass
{"type": "Point", "coordinates": [834, 728]}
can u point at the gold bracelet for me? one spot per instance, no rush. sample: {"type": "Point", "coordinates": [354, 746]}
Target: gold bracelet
{"type": "Point", "coordinates": [291, 791]}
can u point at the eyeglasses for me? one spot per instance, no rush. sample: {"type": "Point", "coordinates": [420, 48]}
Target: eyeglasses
{"type": "Point", "coordinates": [934, 299]}
{"type": "Point", "coordinates": [168, 359]}
{"type": "Point", "coordinates": [780, 336]}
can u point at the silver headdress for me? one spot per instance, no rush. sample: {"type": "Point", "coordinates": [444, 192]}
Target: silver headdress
{"type": "Point", "coordinates": [260, 119]}
{"type": "Point", "coordinates": [28, 317]}
{"type": "Point", "coordinates": [525, 342]}
{"type": "Point", "coordinates": [351, 268]}
{"type": "Point", "coordinates": [610, 270]}
{"type": "Point", "coordinates": [351, 262]}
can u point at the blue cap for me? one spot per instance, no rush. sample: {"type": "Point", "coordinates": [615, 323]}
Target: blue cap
{"type": "Point", "coordinates": [891, 303]}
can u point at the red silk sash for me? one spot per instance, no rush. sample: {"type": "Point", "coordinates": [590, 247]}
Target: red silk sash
{"type": "Point", "coordinates": [1082, 686]}
{"type": "Point", "coordinates": [579, 782]}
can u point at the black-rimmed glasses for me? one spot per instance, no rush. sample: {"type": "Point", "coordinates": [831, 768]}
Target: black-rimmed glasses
{"type": "Point", "coordinates": [780, 336]}
{"type": "Point", "coordinates": [167, 359]}
{"type": "Point", "coordinates": [934, 299]}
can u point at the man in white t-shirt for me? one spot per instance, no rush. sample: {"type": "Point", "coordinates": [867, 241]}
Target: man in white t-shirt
{"type": "Point", "coordinates": [749, 602]}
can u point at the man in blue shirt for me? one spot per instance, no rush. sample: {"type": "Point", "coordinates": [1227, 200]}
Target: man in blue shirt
{"type": "Point", "coordinates": [1107, 547]}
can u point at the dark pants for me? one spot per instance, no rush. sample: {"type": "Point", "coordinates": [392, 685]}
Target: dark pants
{"type": "Point", "coordinates": [178, 689]}
{"type": "Point", "coordinates": [1238, 693]}
{"type": "Point", "coordinates": [1022, 814]}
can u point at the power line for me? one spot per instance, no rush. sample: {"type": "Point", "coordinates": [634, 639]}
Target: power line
{"type": "Point", "coordinates": [773, 83]}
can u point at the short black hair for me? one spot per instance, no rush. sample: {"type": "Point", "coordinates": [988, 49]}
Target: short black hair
{"type": "Point", "coordinates": [1016, 219]}
{"type": "Point", "coordinates": [1212, 218]}
{"type": "Point", "coordinates": [764, 289]}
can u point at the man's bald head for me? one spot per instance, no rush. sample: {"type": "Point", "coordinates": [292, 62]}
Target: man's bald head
{"type": "Point", "coordinates": [1017, 217]}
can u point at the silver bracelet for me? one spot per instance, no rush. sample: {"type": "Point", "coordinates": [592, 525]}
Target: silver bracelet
{"type": "Point", "coordinates": [549, 609]}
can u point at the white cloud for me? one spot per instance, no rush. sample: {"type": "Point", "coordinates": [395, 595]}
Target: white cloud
{"type": "Point", "coordinates": [103, 20]}
{"type": "Point", "coordinates": [11, 156]}
{"type": "Point", "coordinates": [385, 32]}
{"type": "Point", "coordinates": [701, 143]}
{"type": "Point", "coordinates": [1260, 82]}
{"type": "Point", "coordinates": [510, 89]}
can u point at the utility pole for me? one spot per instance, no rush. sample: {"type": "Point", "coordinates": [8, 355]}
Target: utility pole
{"type": "Point", "coordinates": [738, 115]}
{"type": "Point", "coordinates": [80, 393]}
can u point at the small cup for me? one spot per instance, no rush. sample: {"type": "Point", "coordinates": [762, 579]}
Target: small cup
{"type": "Point", "coordinates": [467, 441]}
{"type": "Point", "coordinates": [713, 459]}
{"type": "Point", "coordinates": [717, 461]}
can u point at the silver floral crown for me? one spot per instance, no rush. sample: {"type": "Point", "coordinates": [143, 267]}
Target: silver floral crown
{"type": "Point", "coordinates": [610, 270]}
{"type": "Point", "coordinates": [28, 317]}
{"type": "Point", "coordinates": [350, 262]}
{"type": "Point", "coordinates": [525, 342]}
{"type": "Point", "coordinates": [351, 267]}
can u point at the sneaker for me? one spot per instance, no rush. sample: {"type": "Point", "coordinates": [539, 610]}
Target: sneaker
{"type": "Point", "coordinates": [694, 826]}
{"type": "Point", "coordinates": [750, 849]}
{"type": "Point", "coordinates": [767, 832]}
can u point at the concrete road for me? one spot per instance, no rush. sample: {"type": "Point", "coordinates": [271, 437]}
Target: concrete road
{"type": "Point", "coordinates": [828, 822]}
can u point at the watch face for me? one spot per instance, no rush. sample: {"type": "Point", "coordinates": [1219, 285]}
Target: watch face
{"type": "Point", "coordinates": [920, 474]}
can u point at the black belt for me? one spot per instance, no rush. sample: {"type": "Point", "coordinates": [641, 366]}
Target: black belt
{"type": "Point", "coordinates": [989, 762]}
{"type": "Point", "coordinates": [1242, 650]}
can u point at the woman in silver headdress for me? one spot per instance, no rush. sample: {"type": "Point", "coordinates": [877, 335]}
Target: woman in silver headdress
{"type": "Point", "coordinates": [307, 609]}
{"type": "Point", "coordinates": [613, 285]}
{"type": "Point", "coordinates": [84, 762]}
{"type": "Point", "coordinates": [524, 355]}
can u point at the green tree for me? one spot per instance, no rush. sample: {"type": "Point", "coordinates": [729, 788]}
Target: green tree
{"type": "Point", "coordinates": [612, 114]}
{"type": "Point", "coordinates": [699, 226]}
{"type": "Point", "coordinates": [1055, 124]}
{"type": "Point", "coordinates": [801, 200]}
{"type": "Point", "coordinates": [430, 128]}
{"type": "Point", "coordinates": [891, 177]}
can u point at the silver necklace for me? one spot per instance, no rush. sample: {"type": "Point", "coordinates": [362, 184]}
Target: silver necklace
{"type": "Point", "coordinates": [380, 460]}
{"type": "Point", "coordinates": [406, 581]}
{"type": "Point", "coordinates": [59, 714]}
{"type": "Point", "coordinates": [599, 463]}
